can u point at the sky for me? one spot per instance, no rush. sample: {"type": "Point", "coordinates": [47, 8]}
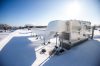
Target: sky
{"type": "Point", "coordinates": [41, 12]}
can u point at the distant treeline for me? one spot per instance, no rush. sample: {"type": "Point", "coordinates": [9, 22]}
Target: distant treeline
{"type": "Point", "coordinates": [5, 27]}
{"type": "Point", "coordinates": [40, 26]}
{"type": "Point", "coordinates": [33, 26]}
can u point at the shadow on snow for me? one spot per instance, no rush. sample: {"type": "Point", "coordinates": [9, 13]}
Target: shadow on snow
{"type": "Point", "coordinates": [18, 52]}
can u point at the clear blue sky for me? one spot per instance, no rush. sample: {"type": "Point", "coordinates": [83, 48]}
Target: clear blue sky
{"type": "Point", "coordinates": [40, 12]}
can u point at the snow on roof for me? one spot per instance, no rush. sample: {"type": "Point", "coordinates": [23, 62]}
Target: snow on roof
{"type": "Point", "coordinates": [56, 26]}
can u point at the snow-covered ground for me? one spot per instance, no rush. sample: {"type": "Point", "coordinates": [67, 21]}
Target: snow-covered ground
{"type": "Point", "coordinates": [4, 34]}
{"type": "Point", "coordinates": [85, 54]}
{"type": "Point", "coordinates": [20, 48]}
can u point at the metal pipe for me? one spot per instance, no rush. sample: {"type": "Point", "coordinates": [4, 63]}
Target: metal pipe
{"type": "Point", "coordinates": [56, 38]}
{"type": "Point", "coordinates": [93, 32]}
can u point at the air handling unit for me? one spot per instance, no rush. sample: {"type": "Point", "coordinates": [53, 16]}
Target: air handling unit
{"type": "Point", "coordinates": [70, 32]}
